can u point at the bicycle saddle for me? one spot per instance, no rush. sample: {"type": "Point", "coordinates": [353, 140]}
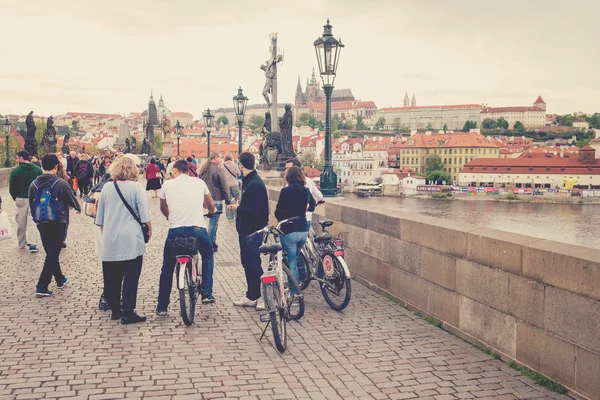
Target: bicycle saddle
{"type": "Point", "coordinates": [323, 238]}
{"type": "Point", "coordinates": [326, 224]}
{"type": "Point", "coordinates": [269, 248]}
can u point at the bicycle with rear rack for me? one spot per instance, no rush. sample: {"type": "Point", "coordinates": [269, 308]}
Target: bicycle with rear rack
{"type": "Point", "coordinates": [187, 274]}
{"type": "Point", "coordinates": [324, 262]}
{"type": "Point", "coordinates": [279, 289]}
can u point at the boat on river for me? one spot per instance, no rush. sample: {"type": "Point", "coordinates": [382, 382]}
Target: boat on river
{"type": "Point", "coordinates": [368, 191]}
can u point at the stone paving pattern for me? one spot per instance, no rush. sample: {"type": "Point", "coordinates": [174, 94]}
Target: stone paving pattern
{"type": "Point", "coordinates": [64, 347]}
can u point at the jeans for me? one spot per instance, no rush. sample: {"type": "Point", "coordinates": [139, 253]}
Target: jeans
{"type": "Point", "coordinates": [252, 264]}
{"type": "Point", "coordinates": [234, 191]}
{"type": "Point", "coordinates": [52, 237]}
{"type": "Point", "coordinates": [25, 225]}
{"type": "Point", "coordinates": [166, 275]}
{"type": "Point", "coordinates": [213, 223]}
{"type": "Point", "coordinates": [122, 276]}
{"type": "Point", "coordinates": [292, 243]}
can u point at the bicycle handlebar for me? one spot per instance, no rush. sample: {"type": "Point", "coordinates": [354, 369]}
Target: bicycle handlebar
{"type": "Point", "coordinates": [273, 229]}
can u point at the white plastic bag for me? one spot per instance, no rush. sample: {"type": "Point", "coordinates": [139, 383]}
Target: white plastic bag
{"type": "Point", "coordinates": [4, 226]}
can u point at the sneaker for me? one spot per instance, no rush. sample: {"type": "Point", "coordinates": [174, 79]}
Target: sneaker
{"type": "Point", "coordinates": [208, 300]}
{"type": "Point", "coordinates": [131, 318]}
{"type": "Point", "coordinates": [43, 293]}
{"type": "Point", "coordinates": [244, 302]}
{"type": "Point", "coordinates": [33, 248]}
{"type": "Point", "coordinates": [103, 304]}
{"type": "Point", "coordinates": [62, 282]}
{"type": "Point", "coordinates": [260, 304]}
{"type": "Point", "coordinates": [161, 312]}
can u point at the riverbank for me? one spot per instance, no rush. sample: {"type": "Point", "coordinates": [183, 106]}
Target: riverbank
{"type": "Point", "coordinates": [514, 199]}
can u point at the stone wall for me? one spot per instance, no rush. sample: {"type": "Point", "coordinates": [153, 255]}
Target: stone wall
{"type": "Point", "coordinates": [4, 173]}
{"type": "Point", "coordinates": [534, 301]}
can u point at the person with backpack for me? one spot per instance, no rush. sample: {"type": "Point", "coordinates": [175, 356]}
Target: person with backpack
{"type": "Point", "coordinates": [84, 171]}
{"type": "Point", "coordinates": [19, 181]}
{"type": "Point", "coordinates": [49, 200]}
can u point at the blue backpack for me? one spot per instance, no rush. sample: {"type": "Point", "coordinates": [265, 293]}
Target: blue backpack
{"type": "Point", "coordinates": [46, 207]}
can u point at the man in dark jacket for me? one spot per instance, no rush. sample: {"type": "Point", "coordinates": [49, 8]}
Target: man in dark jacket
{"type": "Point", "coordinates": [53, 232]}
{"type": "Point", "coordinates": [84, 171]}
{"type": "Point", "coordinates": [19, 181]}
{"type": "Point", "coordinates": [214, 176]}
{"type": "Point", "coordinates": [252, 215]}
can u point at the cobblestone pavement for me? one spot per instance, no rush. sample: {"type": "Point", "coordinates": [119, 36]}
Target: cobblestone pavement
{"type": "Point", "coordinates": [64, 347]}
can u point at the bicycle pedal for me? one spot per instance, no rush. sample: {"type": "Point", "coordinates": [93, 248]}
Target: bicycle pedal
{"type": "Point", "coordinates": [264, 318]}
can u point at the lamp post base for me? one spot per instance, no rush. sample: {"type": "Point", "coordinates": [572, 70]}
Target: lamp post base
{"type": "Point", "coordinates": [328, 184]}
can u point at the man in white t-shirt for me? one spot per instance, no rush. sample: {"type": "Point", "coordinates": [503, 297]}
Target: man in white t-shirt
{"type": "Point", "coordinates": [179, 204]}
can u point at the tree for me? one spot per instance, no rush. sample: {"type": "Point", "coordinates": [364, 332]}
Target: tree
{"type": "Point", "coordinates": [321, 126]}
{"type": "Point", "coordinates": [429, 127]}
{"type": "Point", "coordinates": [594, 120]}
{"type": "Point", "coordinates": [307, 159]}
{"type": "Point", "coordinates": [360, 124]}
{"type": "Point", "coordinates": [39, 134]}
{"type": "Point", "coordinates": [445, 127]}
{"type": "Point", "coordinates": [502, 123]}
{"type": "Point", "coordinates": [158, 145]}
{"type": "Point", "coordinates": [489, 123]}
{"type": "Point", "coordinates": [337, 134]}
{"type": "Point", "coordinates": [380, 123]}
{"type": "Point", "coordinates": [223, 120]}
{"type": "Point", "coordinates": [469, 125]}
{"type": "Point", "coordinates": [397, 126]}
{"type": "Point", "coordinates": [433, 163]}
{"type": "Point", "coordinates": [307, 120]}
{"type": "Point", "coordinates": [519, 126]}
{"type": "Point", "coordinates": [256, 122]}
{"type": "Point", "coordinates": [439, 177]}
{"type": "Point", "coordinates": [569, 123]}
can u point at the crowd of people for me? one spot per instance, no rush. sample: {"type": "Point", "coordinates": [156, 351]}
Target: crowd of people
{"type": "Point", "coordinates": [44, 195]}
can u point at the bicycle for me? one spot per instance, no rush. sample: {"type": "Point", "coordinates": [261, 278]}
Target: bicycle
{"type": "Point", "coordinates": [281, 304]}
{"type": "Point", "coordinates": [187, 274]}
{"type": "Point", "coordinates": [323, 258]}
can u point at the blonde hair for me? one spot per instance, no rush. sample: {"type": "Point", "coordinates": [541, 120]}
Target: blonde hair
{"type": "Point", "coordinates": [123, 169]}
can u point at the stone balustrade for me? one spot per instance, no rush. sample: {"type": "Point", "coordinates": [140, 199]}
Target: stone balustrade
{"type": "Point", "coordinates": [534, 301]}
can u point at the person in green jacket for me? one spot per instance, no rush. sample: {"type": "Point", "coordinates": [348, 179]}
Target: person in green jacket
{"type": "Point", "coordinates": [19, 181]}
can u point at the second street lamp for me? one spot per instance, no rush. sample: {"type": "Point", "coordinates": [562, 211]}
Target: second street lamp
{"type": "Point", "coordinates": [178, 135]}
{"type": "Point", "coordinates": [239, 104]}
{"type": "Point", "coordinates": [328, 51]}
{"type": "Point", "coordinates": [208, 121]}
{"type": "Point", "coordinates": [6, 125]}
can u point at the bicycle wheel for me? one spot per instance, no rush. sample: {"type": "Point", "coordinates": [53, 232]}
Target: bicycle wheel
{"type": "Point", "coordinates": [188, 291]}
{"type": "Point", "coordinates": [335, 285]}
{"type": "Point", "coordinates": [295, 303]}
{"type": "Point", "coordinates": [304, 284]}
{"type": "Point", "coordinates": [279, 327]}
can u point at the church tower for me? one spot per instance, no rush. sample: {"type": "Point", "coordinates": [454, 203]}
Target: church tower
{"type": "Point", "coordinates": [161, 102]}
{"type": "Point", "coordinates": [406, 100]}
{"type": "Point", "coordinates": [299, 100]}
{"type": "Point", "coordinates": [413, 102]}
{"type": "Point", "coordinates": [312, 90]}
{"type": "Point", "coordinates": [152, 113]}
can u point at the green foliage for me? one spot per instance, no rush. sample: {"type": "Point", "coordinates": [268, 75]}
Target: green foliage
{"type": "Point", "coordinates": [380, 123]}
{"type": "Point", "coordinates": [594, 120]}
{"type": "Point", "coordinates": [158, 145]}
{"type": "Point", "coordinates": [309, 159]}
{"type": "Point", "coordinates": [469, 125]}
{"type": "Point", "coordinates": [338, 134]}
{"type": "Point", "coordinates": [512, 196]}
{"type": "Point", "coordinates": [445, 128]}
{"type": "Point", "coordinates": [438, 177]}
{"type": "Point", "coordinates": [502, 123]}
{"type": "Point", "coordinates": [435, 322]}
{"type": "Point", "coordinates": [307, 120]}
{"type": "Point", "coordinates": [397, 127]}
{"type": "Point", "coordinates": [489, 123]}
{"type": "Point", "coordinates": [539, 378]}
{"type": "Point", "coordinates": [360, 124]}
{"type": "Point", "coordinates": [569, 123]}
{"type": "Point", "coordinates": [519, 127]}
{"type": "Point", "coordinates": [13, 148]}
{"type": "Point", "coordinates": [39, 133]}
{"type": "Point", "coordinates": [429, 127]}
{"type": "Point", "coordinates": [256, 122]}
{"type": "Point", "coordinates": [321, 126]}
{"type": "Point", "coordinates": [223, 120]}
{"type": "Point", "coordinates": [487, 351]}
{"type": "Point", "coordinates": [441, 195]}
{"type": "Point", "coordinates": [433, 163]}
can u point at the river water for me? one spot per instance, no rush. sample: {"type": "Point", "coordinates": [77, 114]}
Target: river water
{"type": "Point", "coordinates": [568, 223]}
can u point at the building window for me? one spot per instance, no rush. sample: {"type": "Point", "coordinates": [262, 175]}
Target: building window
{"type": "Point", "coordinates": [471, 151]}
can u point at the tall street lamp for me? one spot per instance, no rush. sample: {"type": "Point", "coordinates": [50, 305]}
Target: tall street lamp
{"type": "Point", "coordinates": [6, 125]}
{"type": "Point", "coordinates": [328, 51]}
{"type": "Point", "coordinates": [208, 121]}
{"type": "Point", "coordinates": [178, 134]}
{"type": "Point", "coordinates": [239, 104]}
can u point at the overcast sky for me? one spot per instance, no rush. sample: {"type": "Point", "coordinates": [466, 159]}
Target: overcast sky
{"type": "Point", "coordinates": [106, 56]}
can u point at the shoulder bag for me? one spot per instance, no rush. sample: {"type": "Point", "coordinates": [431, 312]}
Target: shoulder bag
{"type": "Point", "coordinates": [145, 229]}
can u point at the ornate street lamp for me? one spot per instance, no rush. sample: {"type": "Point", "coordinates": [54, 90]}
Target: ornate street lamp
{"type": "Point", "coordinates": [239, 104]}
{"type": "Point", "coordinates": [178, 134]}
{"type": "Point", "coordinates": [208, 121]}
{"type": "Point", "coordinates": [6, 125]}
{"type": "Point", "coordinates": [328, 51]}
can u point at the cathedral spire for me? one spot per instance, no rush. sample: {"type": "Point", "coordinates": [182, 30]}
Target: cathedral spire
{"type": "Point", "coordinates": [151, 98]}
{"type": "Point", "coordinates": [313, 79]}
{"type": "Point", "coordinates": [299, 95]}
{"type": "Point", "coordinates": [161, 102]}
{"type": "Point", "coordinates": [406, 102]}
{"type": "Point", "coordinates": [413, 103]}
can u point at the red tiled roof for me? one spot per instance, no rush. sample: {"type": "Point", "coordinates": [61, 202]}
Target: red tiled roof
{"type": "Point", "coordinates": [548, 152]}
{"type": "Point", "coordinates": [94, 115]}
{"type": "Point", "coordinates": [444, 107]}
{"type": "Point", "coordinates": [555, 165]}
{"type": "Point", "coordinates": [181, 114]}
{"type": "Point", "coordinates": [463, 139]}
{"type": "Point", "coordinates": [539, 100]}
{"type": "Point", "coordinates": [511, 109]}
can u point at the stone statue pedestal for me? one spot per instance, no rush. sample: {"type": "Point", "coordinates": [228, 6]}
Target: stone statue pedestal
{"type": "Point", "coordinates": [167, 148]}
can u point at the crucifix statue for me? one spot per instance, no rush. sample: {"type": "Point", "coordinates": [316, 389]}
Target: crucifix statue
{"type": "Point", "coordinates": [270, 68]}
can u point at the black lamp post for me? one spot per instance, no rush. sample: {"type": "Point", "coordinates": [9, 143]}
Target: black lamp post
{"type": "Point", "coordinates": [6, 125]}
{"type": "Point", "coordinates": [328, 51]}
{"type": "Point", "coordinates": [239, 104]}
{"type": "Point", "coordinates": [178, 134]}
{"type": "Point", "coordinates": [208, 121]}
